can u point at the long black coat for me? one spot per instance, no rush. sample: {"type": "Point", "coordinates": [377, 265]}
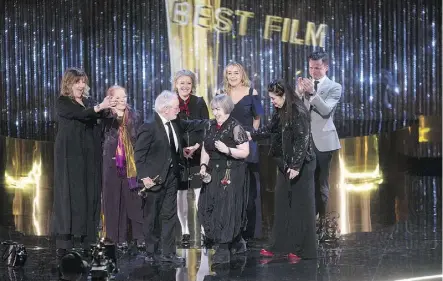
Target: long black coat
{"type": "Point", "coordinates": [77, 172]}
{"type": "Point", "coordinates": [198, 110]}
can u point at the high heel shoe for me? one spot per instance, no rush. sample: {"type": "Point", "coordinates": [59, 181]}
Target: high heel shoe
{"type": "Point", "coordinates": [293, 258]}
{"type": "Point", "coordinates": [240, 247]}
{"type": "Point", "coordinates": [266, 253]}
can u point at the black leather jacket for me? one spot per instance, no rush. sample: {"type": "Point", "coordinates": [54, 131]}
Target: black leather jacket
{"type": "Point", "coordinates": [291, 141]}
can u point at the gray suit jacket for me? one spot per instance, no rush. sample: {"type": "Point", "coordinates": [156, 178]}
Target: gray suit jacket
{"type": "Point", "coordinates": [323, 106]}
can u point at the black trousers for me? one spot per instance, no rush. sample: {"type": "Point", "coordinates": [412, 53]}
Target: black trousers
{"type": "Point", "coordinates": [160, 216]}
{"type": "Point", "coordinates": [253, 226]}
{"type": "Point", "coordinates": [321, 180]}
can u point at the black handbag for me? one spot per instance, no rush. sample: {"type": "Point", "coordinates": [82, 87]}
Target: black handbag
{"type": "Point", "coordinates": [15, 254]}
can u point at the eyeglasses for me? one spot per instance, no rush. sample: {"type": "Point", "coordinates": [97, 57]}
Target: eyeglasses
{"type": "Point", "coordinates": [276, 87]}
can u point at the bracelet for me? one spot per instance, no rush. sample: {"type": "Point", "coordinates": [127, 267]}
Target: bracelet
{"type": "Point", "coordinates": [229, 152]}
{"type": "Point", "coordinates": [203, 164]}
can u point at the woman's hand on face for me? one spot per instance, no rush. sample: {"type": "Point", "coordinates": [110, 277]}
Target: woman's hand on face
{"type": "Point", "coordinates": [106, 103]}
{"type": "Point", "coordinates": [113, 102]}
{"type": "Point", "coordinates": [223, 148]}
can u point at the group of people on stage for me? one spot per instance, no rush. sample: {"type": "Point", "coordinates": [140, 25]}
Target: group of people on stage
{"type": "Point", "coordinates": [138, 172]}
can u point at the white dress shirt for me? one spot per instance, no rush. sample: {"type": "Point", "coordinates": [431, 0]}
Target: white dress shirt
{"type": "Point", "coordinates": [320, 82]}
{"type": "Point", "coordinates": [167, 131]}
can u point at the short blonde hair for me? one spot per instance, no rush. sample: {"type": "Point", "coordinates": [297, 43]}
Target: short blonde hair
{"type": "Point", "coordinates": [181, 73]}
{"type": "Point", "coordinates": [70, 77]}
{"type": "Point", "coordinates": [244, 80]}
{"type": "Point", "coordinates": [224, 102]}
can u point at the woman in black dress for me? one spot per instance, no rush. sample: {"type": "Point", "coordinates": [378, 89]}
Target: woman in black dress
{"type": "Point", "coordinates": [78, 169]}
{"type": "Point", "coordinates": [191, 107]}
{"type": "Point", "coordinates": [121, 203]}
{"type": "Point", "coordinates": [291, 145]}
{"type": "Point", "coordinates": [247, 111]}
{"type": "Point", "coordinates": [225, 146]}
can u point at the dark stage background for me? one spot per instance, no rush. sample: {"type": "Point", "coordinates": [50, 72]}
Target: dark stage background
{"type": "Point", "coordinates": [386, 54]}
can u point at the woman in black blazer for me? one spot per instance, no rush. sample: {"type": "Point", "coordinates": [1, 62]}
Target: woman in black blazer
{"type": "Point", "coordinates": [191, 108]}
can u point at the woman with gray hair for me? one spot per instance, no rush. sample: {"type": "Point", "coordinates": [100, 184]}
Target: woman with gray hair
{"type": "Point", "coordinates": [191, 108]}
{"type": "Point", "coordinates": [121, 203]}
{"type": "Point", "coordinates": [221, 203]}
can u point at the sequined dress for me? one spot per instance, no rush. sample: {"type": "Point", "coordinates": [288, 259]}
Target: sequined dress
{"type": "Point", "coordinates": [294, 213]}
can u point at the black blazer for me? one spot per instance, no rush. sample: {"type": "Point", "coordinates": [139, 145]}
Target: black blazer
{"type": "Point", "coordinates": [152, 153]}
{"type": "Point", "coordinates": [197, 110]}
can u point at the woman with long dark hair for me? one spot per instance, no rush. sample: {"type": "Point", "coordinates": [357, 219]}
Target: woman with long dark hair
{"type": "Point", "coordinates": [291, 146]}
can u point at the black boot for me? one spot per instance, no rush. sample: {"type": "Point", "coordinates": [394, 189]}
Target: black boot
{"type": "Point", "coordinates": [239, 247]}
{"type": "Point", "coordinates": [186, 240]}
{"type": "Point", "coordinates": [222, 255]}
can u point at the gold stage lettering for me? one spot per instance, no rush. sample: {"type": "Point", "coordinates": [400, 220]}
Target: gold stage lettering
{"type": "Point", "coordinates": [220, 20]}
{"type": "Point", "coordinates": [194, 48]}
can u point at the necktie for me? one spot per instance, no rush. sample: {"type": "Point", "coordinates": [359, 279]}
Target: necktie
{"type": "Point", "coordinates": [315, 85]}
{"type": "Point", "coordinates": [172, 145]}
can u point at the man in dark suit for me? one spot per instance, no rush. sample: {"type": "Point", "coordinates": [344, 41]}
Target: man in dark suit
{"type": "Point", "coordinates": [158, 156]}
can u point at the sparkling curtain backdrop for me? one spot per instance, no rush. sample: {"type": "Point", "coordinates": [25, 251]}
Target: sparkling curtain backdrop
{"type": "Point", "coordinates": [386, 54]}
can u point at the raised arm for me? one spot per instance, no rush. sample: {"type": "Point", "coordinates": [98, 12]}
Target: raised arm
{"type": "Point", "coordinates": [67, 108]}
{"type": "Point", "coordinates": [193, 125]}
{"type": "Point", "coordinates": [266, 131]}
{"type": "Point", "coordinates": [327, 105]}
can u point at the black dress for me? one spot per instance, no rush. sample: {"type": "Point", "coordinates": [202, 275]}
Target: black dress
{"type": "Point", "coordinates": [294, 214]}
{"type": "Point", "coordinates": [194, 108]}
{"type": "Point", "coordinates": [120, 204]}
{"type": "Point", "coordinates": [221, 205]}
{"type": "Point", "coordinates": [245, 111]}
{"type": "Point", "coordinates": [78, 170]}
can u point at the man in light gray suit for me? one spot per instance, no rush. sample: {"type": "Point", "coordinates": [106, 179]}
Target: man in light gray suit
{"type": "Point", "coordinates": [321, 96]}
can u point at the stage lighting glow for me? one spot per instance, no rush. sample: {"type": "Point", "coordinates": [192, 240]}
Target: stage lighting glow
{"type": "Point", "coordinates": [32, 179]}
{"type": "Point", "coordinates": [431, 277]}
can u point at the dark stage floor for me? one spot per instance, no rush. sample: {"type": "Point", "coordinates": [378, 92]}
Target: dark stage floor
{"type": "Point", "coordinates": [386, 188]}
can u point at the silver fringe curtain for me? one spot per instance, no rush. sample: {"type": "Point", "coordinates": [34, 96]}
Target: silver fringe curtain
{"type": "Point", "coordinates": [386, 54]}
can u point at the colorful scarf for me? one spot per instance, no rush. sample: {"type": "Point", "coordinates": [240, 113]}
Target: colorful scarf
{"type": "Point", "coordinates": [124, 155]}
{"type": "Point", "coordinates": [184, 105]}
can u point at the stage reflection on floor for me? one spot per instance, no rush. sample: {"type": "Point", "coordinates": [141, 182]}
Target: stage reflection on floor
{"type": "Point", "coordinates": [385, 192]}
